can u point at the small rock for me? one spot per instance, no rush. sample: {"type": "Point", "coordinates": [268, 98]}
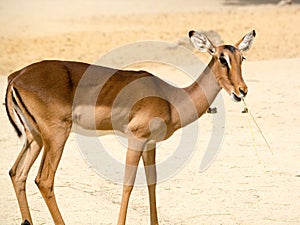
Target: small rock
{"type": "Point", "coordinates": [285, 2]}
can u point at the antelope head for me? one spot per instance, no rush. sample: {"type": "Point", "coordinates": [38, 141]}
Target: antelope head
{"type": "Point", "coordinates": [226, 62]}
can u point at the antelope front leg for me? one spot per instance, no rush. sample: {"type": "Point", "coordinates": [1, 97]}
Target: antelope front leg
{"type": "Point", "coordinates": [132, 162]}
{"type": "Point", "coordinates": [151, 176]}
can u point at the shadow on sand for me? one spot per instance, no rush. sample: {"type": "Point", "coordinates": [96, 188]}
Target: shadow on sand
{"type": "Point", "coordinates": [254, 2]}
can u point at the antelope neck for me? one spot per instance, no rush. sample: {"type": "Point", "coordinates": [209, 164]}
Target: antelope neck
{"type": "Point", "coordinates": [200, 95]}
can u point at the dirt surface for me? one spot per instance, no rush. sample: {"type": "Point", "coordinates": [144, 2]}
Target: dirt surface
{"type": "Point", "coordinates": [245, 185]}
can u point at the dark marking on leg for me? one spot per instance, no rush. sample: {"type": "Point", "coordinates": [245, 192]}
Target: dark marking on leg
{"type": "Point", "coordinates": [26, 222]}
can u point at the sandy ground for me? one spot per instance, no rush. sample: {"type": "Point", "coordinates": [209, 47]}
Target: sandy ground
{"type": "Point", "coordinates": [246, 184]}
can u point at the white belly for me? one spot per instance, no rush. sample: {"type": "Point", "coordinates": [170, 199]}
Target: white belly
{"type": "Point", "coordinates": [94, 133]}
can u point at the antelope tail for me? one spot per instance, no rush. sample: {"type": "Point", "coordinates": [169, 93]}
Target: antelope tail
{"type": "Point", "coordinates": [10, 103]}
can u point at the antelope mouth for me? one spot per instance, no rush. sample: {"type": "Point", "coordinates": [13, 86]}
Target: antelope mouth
{"type": "Point", "coordinates": [235, 97]}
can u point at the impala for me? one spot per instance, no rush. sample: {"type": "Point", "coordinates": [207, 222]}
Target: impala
{"type": "Point", "coordinates": [45, 100]}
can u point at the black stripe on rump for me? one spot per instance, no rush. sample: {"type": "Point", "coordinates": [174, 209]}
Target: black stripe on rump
{"type": "Point", "coordinates": [23, 105]}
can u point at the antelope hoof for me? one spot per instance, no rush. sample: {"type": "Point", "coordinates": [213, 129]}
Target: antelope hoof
{"type": "Point", "coordinates": [26, 222]}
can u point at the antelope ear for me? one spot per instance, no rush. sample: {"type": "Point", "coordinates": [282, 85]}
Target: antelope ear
{"type": "Point", "coordinates": [201, 42]}
{"type": "Point", "coordinates": [245, 43]}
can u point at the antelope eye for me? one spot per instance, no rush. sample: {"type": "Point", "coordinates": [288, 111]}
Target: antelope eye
{"type": "Point", "coordinates": [223, 61]}
{"type": "Point", "coordinates": [243, 58]}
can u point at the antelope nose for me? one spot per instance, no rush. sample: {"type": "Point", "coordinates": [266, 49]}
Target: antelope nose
{"type": "Point", "coordinates": [244, 91]}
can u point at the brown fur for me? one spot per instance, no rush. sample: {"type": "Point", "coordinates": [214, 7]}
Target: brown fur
{"type": "Point", "coordinates": [49, 97]}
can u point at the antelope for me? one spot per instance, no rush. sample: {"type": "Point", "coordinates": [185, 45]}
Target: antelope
{"type": "Point", "coordinates": [45, 100]}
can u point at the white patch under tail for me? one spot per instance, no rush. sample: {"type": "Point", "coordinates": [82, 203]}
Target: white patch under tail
{"type": "Point", "coordinates": [21, 121]}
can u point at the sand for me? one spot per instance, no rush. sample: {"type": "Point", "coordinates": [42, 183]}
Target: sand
{"type": "Point", "coordinates": [245, 185]}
